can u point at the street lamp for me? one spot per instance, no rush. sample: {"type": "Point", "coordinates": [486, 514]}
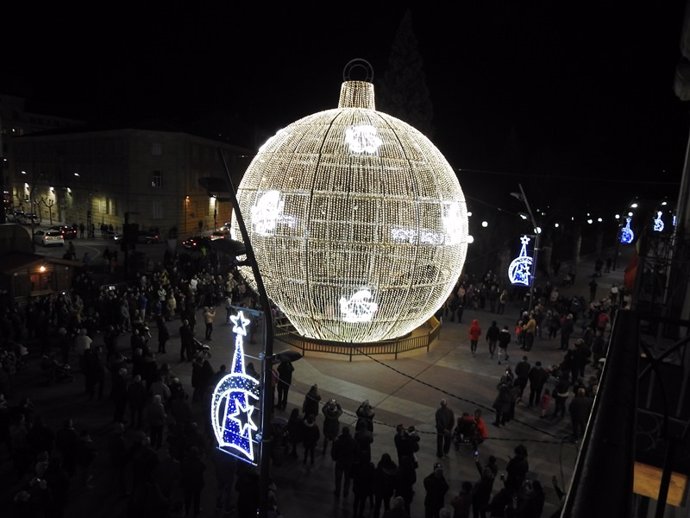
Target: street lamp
{"type": "Point", "coordinates": [523, 198]}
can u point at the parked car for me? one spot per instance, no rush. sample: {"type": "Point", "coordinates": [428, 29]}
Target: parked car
{"type": "Point", "coordinates": [49, 238]}
{"type": "Point", "coordinates": [218, 234]}
{"type": "Point", "coordinates": [28, 217]}
{"type": "Point", "coordinates": [196, 242]}
{"type": "Point", "coordinates": [66, 231]}
{"type": "Point", "coordinates": [16, 216]}
{"type": "Point", "coordinates": [148, 236]}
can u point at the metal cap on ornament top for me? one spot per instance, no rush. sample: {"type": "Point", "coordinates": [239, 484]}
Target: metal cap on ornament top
{"type": "Point", "coordinates": [357, 221]}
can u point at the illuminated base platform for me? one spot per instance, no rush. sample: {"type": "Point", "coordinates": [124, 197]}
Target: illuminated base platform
{"type": "Point", "coordinates": [417, 341]}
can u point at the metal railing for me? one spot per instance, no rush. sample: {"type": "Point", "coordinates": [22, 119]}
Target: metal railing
{"type": "Point", "coordinates": [389, 347]}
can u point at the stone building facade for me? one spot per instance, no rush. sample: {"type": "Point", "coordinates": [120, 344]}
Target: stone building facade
{"type": "Point", "coordinates": [156, 178]}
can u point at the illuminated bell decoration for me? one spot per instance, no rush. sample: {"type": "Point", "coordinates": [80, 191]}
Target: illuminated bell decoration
{"type": "Point", "coordinates": [627, 235]}
{"type": "Point", "coordinates": [357, 221]}
{"type": "Point", "coordinates": [658, 223]}
{"type": "Point", "coordinates": [234, 400]}
{"type": "Point", "coordinates": [520, 269]}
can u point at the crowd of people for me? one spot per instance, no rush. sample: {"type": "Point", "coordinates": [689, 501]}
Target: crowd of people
{"type": "Point", "coordinates": [157, 437]}
{"type": "Point", "coordinates": [160, 453]}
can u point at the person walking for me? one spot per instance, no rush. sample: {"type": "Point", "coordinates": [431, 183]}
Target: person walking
{"type": "Point", "coordinates": [192, 481]}
{"type": "Point", "coordinates": [475, 332]}
{"type": "Point", "coordinates": [522, 369]}
{"type": "Point", "coordinates": [385, 478]}
{"type": "Point", "coordinates": [331, 422]}
{"type": "Point", "coordinates": [516, 469]}
{"type": "Point", "coordinates": [560, 395]}
{"type": "Point", "coordinates": [492, 338]}
{"type": "Point", "coordinates": [537, 379]}
{"type": "Point", "coordinates": [186, 341]}
{"type": "Point", "coordinates": [462, 502]}
{"type": "Point", "coordinates": [529, 330]}
{"type": "Point", "coordinates": [344, 453]}
{"type": "Point", "coordinates": [365, 413]}
{"type": "Point", "coordinates": [502, 299]}
{"type": "Point", "coordinates": [163, 334]}
{"type": "Point", "coordinates": [592, 289]}
{"type": "Point", "coordinates": [310, 406]}
{"type": "Point", "coordinates": [481, 493]}
{"type": "Point", "coordinates": [209, 315]}
{"type": "Point", "coordinates": [294, 431]}
{"type": "Point", "coordinates": [362, 486]}
{"type": "Point", "coordinates": [155, 418]}
{"type": "Point", "coordinates": [364, 438]}
{"type": "Point", "coordinates": [436, 487]}
{"type": "Point", "coordinates": [445, 420]}
{"type": "Point", "coordinates": [310, 437]}
{"type": "Point", "coordinates": [580, 408]}
{"type": "Point", "coordinates": [136, 398]}
{"type": "Point", "coordinates": [504, 339]}
{"type": "Point", "coordinates": [118, 393]}
{"type": "Point", "coordinates": [567, 327]}
{"type": "Point", "coordinates": [503, 402]}
{"type": "Point", "coordinates": [285, 370]}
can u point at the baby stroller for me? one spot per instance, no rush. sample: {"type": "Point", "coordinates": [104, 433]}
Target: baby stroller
{"type": "Point", "coordinates": [466, 432]}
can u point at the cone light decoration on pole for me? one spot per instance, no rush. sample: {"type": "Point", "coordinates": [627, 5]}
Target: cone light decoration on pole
{"type": "Point", "coordinates": [358, 222]}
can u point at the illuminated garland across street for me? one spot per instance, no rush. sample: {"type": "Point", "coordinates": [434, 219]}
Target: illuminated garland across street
{"type": "Point", "coordinates": [520, 269]}
{"type": "Point", "coordinates": [357, 221]}
{"type": "Point", "coordinates": [234, 400]}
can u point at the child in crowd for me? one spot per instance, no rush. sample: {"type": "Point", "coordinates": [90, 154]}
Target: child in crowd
{"type": "Point", "coordinates": [545, 403]}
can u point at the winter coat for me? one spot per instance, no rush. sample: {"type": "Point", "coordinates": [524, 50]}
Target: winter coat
{"type": "Point", "coordinates": [331, 424]}
{"type": "Point", "coordinates": [504, 399]}
{"type": "Point", "coordinates": [492, 333]}
{"type": "Point", "coordinates": [504, 338]}
{"type": "Point", "coordinates": [310, 434]}
{"type": "Point", "coordinates": [385, 478]}
{"type": "Point", "coordinates": [475, 330]}
{"type": "Point", "coordinates": [345, 450]}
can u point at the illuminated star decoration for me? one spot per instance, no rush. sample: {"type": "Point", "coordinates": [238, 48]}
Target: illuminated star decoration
{"type": "Point", "coordinates": [658, 223]}
{"type": "Point", "coordinates": [520, 269]}
{"type": "Point", "coordinates": [363, 139]}
{"type": "Point", "coordinates": [266, 212]}
{"type": "Point", "coordinates": [231, 403]}
{"type": "Point", "coordinates": [627, 235]}
{"type": "Point", "coordinates": [357, 308]}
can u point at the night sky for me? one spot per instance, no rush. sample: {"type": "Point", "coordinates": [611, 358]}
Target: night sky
{"type": "Point", "coordinates": [576, 103]}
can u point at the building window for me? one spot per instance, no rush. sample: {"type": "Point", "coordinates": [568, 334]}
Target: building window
{"type": "Point", "coordinates": [156, 180]}
{"type": "Point", "coordinates": [156, 209]}
{"type": "Point", "coordinates": [156, 149]}
{"type": "Point", "coordinates": [110, 207]}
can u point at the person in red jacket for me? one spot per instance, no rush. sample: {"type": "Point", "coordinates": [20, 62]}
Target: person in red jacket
{"type": "Point", "coordinates": [475, 333]}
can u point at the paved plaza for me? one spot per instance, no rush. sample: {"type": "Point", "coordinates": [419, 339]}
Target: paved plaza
{"type": "Point", "coordinates": [406, 390]}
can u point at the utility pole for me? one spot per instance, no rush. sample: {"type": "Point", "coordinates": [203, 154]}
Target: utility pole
{"type": "Point", "coordinates": [3, 216]}
{"type": "Point", "coordinates": [268, 356]}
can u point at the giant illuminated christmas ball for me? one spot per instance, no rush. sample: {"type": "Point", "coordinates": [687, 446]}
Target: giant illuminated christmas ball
{"type": "Point", "coordinates": [358, 222]}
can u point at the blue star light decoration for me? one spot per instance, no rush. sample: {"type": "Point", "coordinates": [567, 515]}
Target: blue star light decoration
{"type": "Point", "coordinates": [234, 400]}
{"type": "Point", "coordinates": [520, 269]}
{"type": "Point", "coordinates": [658, 223]}
{"type": "Point", "coordinates": [627, 235]}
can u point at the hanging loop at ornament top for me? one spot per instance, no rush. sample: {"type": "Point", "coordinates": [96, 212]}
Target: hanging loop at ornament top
{"type": "Point", "coordinates": [355, 64]}
{"type": "Point", "coordinates": [357, 93]}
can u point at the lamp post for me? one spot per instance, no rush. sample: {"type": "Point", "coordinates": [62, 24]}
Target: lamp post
{"type": "Point", "coordinates": [523, 198]}
{"type": "Point", "coordinates": [268, 356]}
